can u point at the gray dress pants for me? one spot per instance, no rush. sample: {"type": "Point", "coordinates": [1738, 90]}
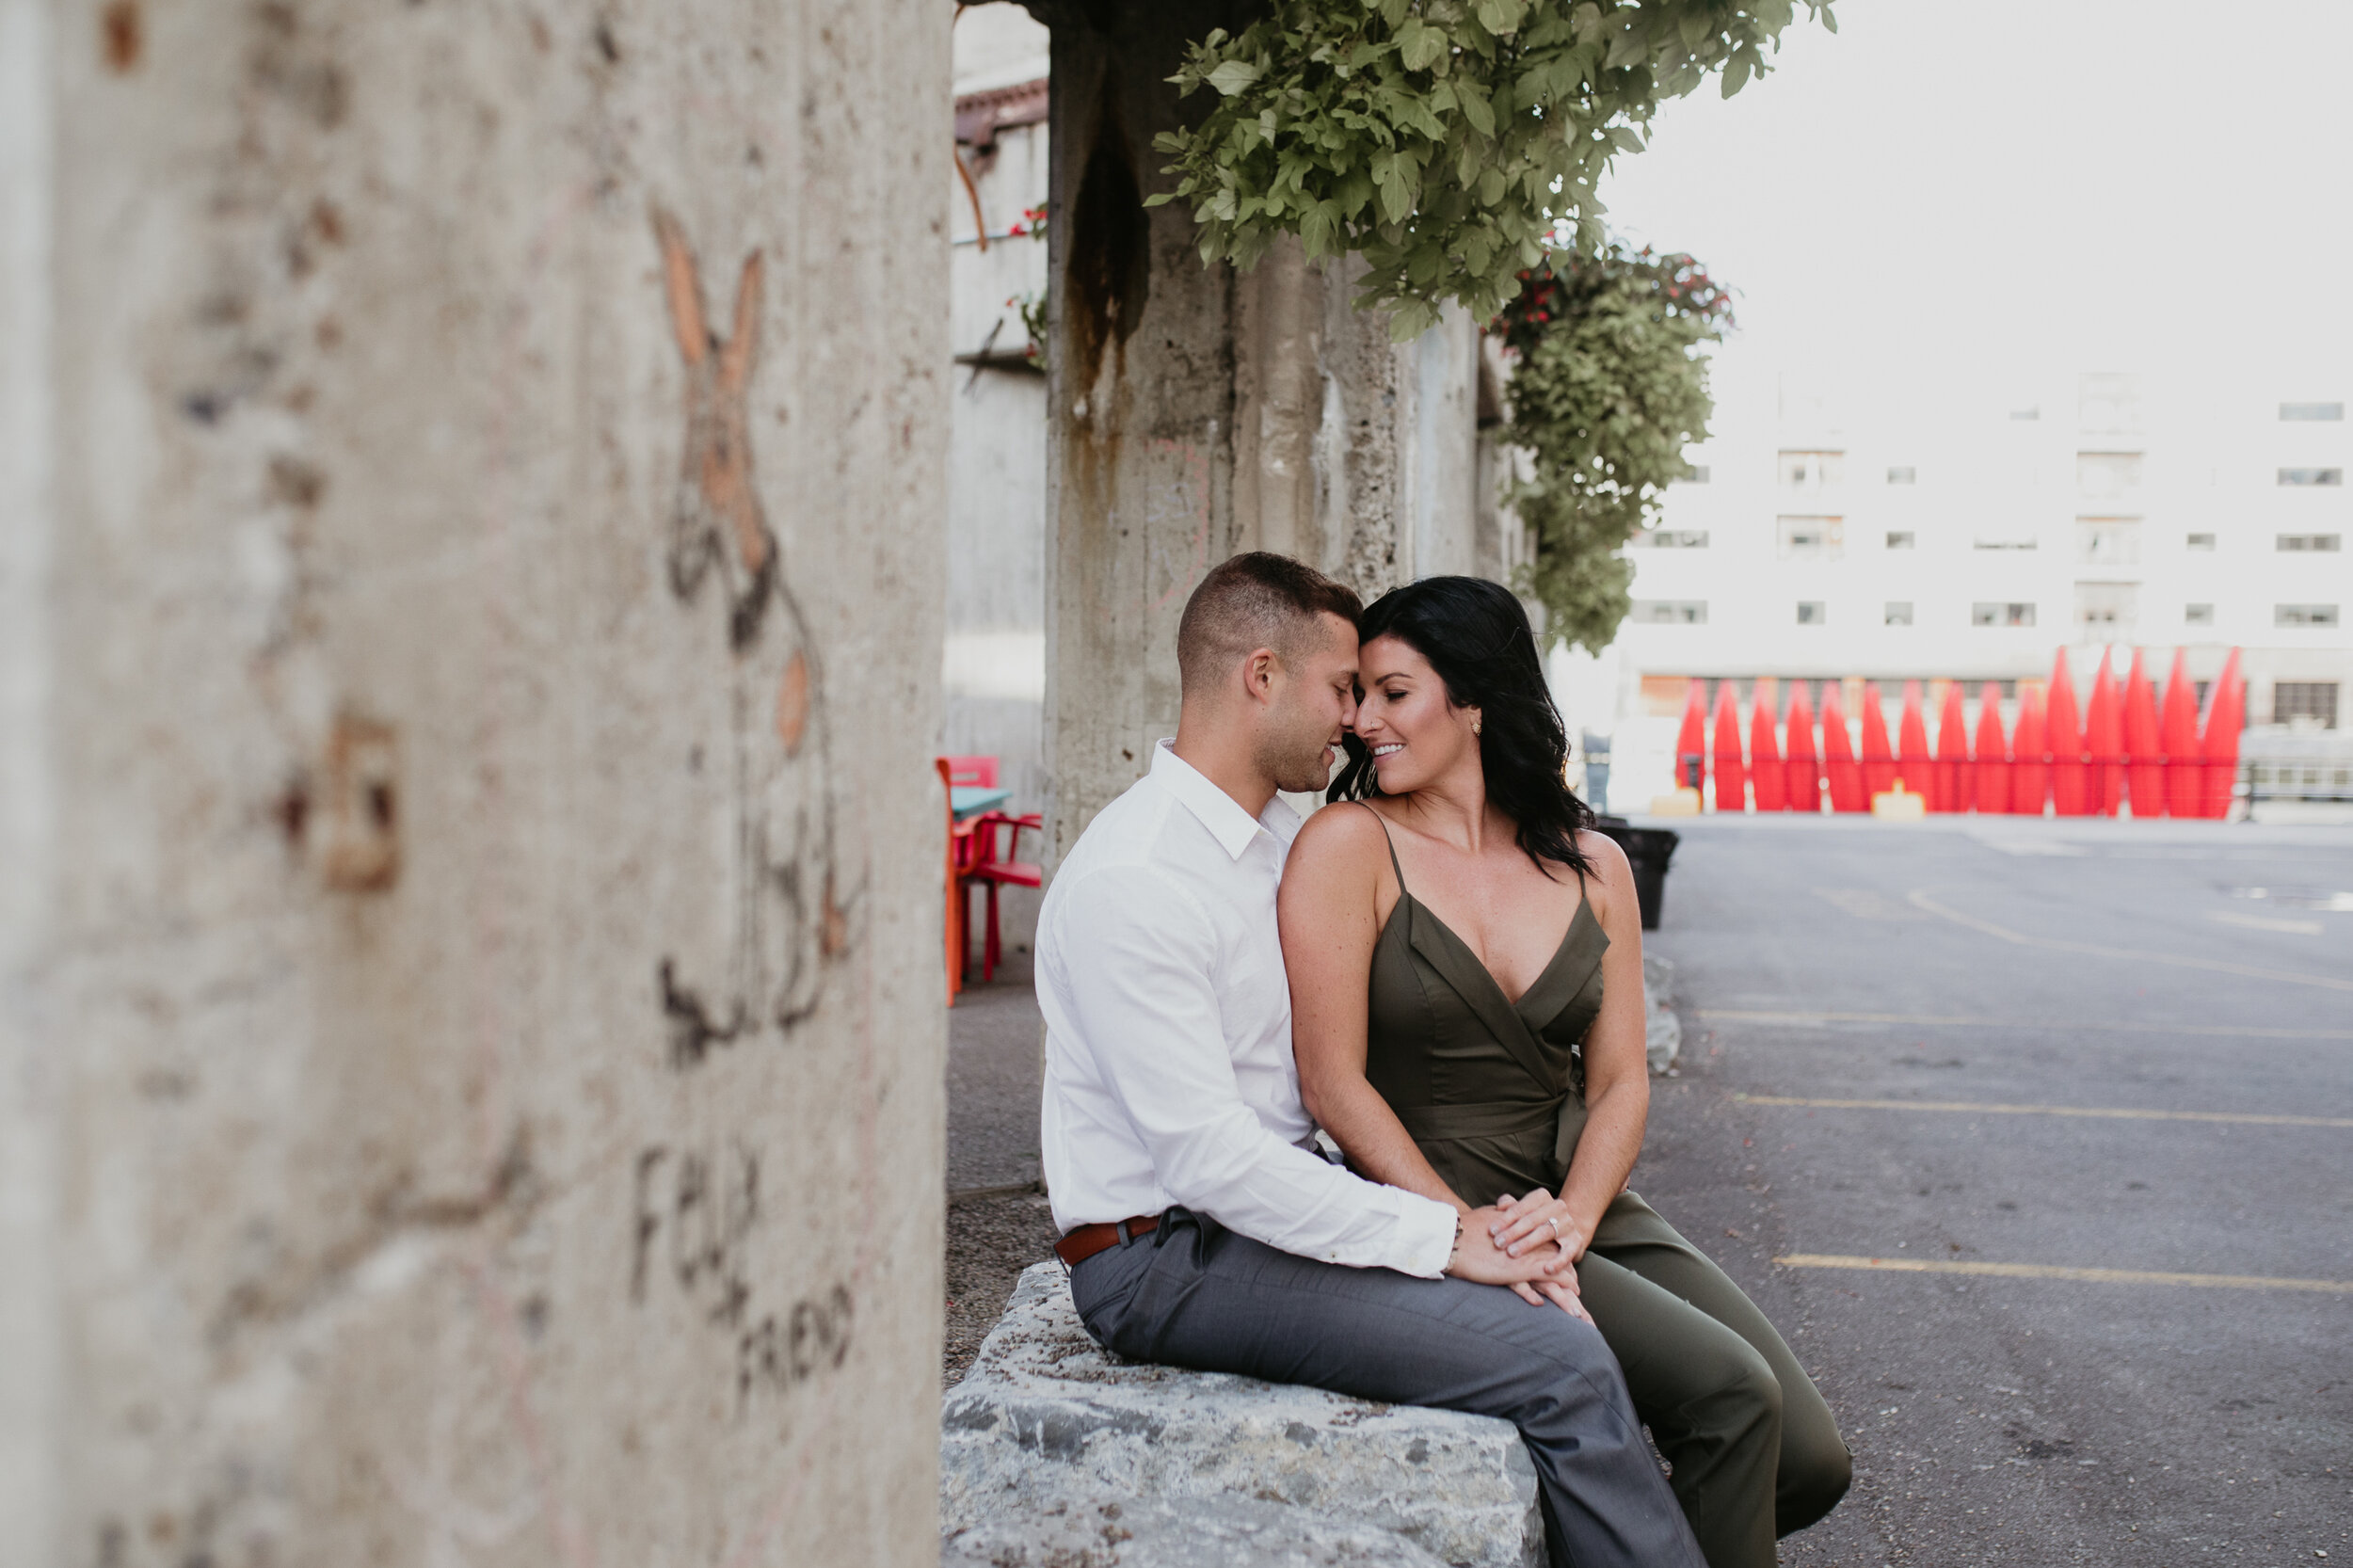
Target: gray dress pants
{"type": "Point", "coordinates": [1194, 1294]}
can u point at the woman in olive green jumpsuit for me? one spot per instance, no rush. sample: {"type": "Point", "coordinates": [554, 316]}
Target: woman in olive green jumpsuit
{"type": "Point", "coordinates": [1494, 1055]}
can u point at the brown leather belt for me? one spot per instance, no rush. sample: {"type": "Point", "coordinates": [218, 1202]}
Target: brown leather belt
{"type": "Point", "coordinates": [1086, 1240]}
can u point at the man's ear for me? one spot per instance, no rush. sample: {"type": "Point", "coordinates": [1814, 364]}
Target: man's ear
{"type": "Point", "coordinates": [1257, 674]}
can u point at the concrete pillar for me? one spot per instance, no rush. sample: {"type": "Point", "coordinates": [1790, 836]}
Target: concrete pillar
{"type": "Point", "coordinates": [470, 1029]}
{"type": "Point", "coordinates": [1193, 412]}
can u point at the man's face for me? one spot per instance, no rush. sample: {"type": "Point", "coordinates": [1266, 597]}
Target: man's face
{"type": "Point", "coordinates": [1314, 703]}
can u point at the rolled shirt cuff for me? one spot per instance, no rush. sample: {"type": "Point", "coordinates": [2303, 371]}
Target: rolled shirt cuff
{"type": "Point", "coordinates": [1425, 1236]}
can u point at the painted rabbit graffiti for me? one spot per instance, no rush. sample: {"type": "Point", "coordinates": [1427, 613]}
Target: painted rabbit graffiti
{"type": "Point", "coordinates": [791, 915]}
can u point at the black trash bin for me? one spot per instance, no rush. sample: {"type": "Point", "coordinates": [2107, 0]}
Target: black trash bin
{"type": "Point", "coordinates": [1647, 851]}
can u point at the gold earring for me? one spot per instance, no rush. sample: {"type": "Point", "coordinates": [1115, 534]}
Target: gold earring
{"type": "Point", "coordinates": [1475, 726]}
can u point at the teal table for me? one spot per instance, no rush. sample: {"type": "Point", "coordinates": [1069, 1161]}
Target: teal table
{"type": "Point", "coordinates": [971, 800]}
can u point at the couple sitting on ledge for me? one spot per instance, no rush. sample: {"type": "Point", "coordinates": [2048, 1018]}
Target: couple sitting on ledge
{"type": "Point", "coordinates": [1444, 973]}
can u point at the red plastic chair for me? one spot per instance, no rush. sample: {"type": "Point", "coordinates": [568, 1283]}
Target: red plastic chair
{"type": "Point", "coordinates": [985, 868]}
{"type": "Point", "coordinates": [970, 770]}
{"type": "Point", "coordinates": [959, 851]}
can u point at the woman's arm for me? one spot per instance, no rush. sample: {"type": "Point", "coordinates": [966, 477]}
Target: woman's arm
{"type": "Point", "coordinates": [1617, 1063]}
{"type": "Point", "coordinates": [1329, 908]}
{"type": "Point", "coordinates": [1617, 1072]}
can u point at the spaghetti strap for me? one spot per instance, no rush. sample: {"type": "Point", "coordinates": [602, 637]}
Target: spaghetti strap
{"type": "Point", "coordinates": [1392, 843]}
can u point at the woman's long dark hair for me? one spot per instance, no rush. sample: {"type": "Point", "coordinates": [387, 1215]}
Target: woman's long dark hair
{"type": "Point", "coordinates": [1475, 634]}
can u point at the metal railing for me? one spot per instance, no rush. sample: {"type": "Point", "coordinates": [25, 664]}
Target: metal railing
{"type": "Point", "coordinates": [2321, 779]}
{"type": "Point", "coordinates": [2183, 786]}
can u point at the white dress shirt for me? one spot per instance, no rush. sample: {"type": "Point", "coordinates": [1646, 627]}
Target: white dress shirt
{"type": "Point", "coordinates": [1169, 1076]}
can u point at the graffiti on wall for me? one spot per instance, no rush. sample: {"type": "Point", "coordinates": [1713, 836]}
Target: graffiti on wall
{"type": "Point", "coordinates": [695, 1218]}
{"type": "Point", "coordinates": [791, 910]}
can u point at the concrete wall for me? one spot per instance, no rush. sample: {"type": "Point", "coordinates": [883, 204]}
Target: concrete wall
{"type": "Point", "coordinates": [1353, 453]}
{"type": "Point", "coordinates": [1194, 411]}
{"type": "Point", "coordinates": [471, 1025]}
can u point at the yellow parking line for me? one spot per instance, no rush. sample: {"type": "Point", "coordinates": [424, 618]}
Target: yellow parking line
{"type": "Point", "coordinates": [2044, 1270]}
{"type": "Point", "coordinates": [1805, 1019]}
{"type": "Point", "coordinates": [2175, 960]}
{"type": "Point", "coordinates": [2116, 1112]}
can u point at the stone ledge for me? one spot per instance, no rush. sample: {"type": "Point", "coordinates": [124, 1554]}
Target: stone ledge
{"type": "Point", "coordinates": [1046, 1416]}
{"type": "Point", "coordinates": [1197, 1532]}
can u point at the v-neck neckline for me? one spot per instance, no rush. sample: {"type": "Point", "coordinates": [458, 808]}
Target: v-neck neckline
{"type": "Point", "coordinates": [1560, 953]}
{"type": "Point", "coordinates": [1501, 1015]}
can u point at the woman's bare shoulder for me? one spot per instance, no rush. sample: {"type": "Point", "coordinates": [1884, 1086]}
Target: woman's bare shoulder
{"type": "Point", "coordinates": [1342, 828]}
{"type": "Point", "coordinates": [1609, 872]}
{"type": "Point", "coordinates": [1340, 835]}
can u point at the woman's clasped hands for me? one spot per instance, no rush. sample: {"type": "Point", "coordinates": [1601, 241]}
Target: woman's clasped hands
{"type": "Point", "coordinates": [1538, 1220]}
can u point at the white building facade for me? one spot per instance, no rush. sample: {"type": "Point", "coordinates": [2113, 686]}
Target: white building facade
{"type": "Point", "coordinates": [1859, 531]}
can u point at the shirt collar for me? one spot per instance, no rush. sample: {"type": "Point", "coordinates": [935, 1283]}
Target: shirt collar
{"type": "Point", "coordinates": [1220, 813]}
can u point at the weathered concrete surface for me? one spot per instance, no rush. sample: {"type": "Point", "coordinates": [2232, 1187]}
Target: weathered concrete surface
{"type": "Point", "coordinates": [1193, 412]}
{"type": "Point", "coordinates": [1044, 1415]}
{"type": "Point", "coordinates": [1353, 454]}
{"type": "Point", "coordinates": [1662, 1026]}
{"type": "Point", "coordinates": [1202, 1532]}
{"type": "Point", "coordinates": [471, 1019]}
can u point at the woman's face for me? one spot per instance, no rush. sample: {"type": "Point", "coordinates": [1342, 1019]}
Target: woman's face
{"type": "Point", "coordinates": [1417, 736]}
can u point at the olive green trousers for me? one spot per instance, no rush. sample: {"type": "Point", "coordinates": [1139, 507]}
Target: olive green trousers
{"type": "Point", "coordinates": [1756, 1453]}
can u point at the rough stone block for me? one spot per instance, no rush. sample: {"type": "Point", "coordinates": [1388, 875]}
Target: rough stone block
{"type": "Point", "coordinates": [1046, 1415]}
{"type": "Point", "coordinates": [1199, 1532]}
{"type": "Point", "coordinates": [1662, 1031]}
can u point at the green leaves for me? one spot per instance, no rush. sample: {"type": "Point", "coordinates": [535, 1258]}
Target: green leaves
{"type": "Point", "coordinates": [1447, 141]}
{"type": "Point", "coordinates": [1418, 44]}
{"type": "Point", "coordinates": [1501, 17]}
{"type": "Point", "coordinates": [1232, 76]}
{"type": "Point", "coordinates": [1608, 387]}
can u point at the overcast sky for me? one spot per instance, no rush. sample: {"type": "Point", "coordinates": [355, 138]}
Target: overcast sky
{"type": "Point", "coordinates": [2091, 183]}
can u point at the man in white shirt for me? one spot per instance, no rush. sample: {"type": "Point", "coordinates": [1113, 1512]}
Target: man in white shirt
{"type": "Point", "coordinates": [1201, 1226]}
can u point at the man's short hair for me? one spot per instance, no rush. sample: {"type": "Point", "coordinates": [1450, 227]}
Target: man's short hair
{"type": "Point", "coordinates": [1253, 601]}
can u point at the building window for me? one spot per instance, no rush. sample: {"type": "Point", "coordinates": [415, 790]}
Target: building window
{"type": "Point", "coordinates": [1813, 611]}
{"type": "Point", "coordinates": [2198, 541]}
{"type": "Point", "coordinates": [2304, 699]}
{"type": "Point", "coordinates": [2103, 606]}
{"type": "Point", "coordinates": [2109, 402]}
{"type": "Point", "coordinates": [2107, 541]}
{"type": "Point", "coordinates": [1906, 475]}
{"type": "Point", "coordinates": [2312, 410]}
{"type": "Point", "coordinates": [2303, 614]}
{"type": "Point", "coordinates": [1671, 612]}
{"type": "Point", "coordinates": [2323, 544]}
{"type": "Point", "coordinates": [2105, 473]}
{"type": "Point", "coordinates": [1900, 538]}
{"type": "Point", "coordinates": [1699, 474]}
{"type": "Point", "coordinates": [1996, 613]}
{"type": "Point", "coordinates": [2197, 614]}
{"type": "Point", "coordinates": [1812, 471]}
{"type": "Point", "coordinates": [1813, 538]}
{"type": "Point", "coordinates": [1899, 612]}
{"type": "Point", "coordinates": [1672, 538]}
{"type": "Point", "coordinates": [2311, 476]}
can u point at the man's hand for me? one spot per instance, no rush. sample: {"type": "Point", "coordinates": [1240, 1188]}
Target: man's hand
{"type": "Point", "coordinates": [1476, 1257]}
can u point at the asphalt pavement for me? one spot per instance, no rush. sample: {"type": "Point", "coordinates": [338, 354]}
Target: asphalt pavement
{"type": "Point", "coordinates": [2108, 1177]}
{"type": "Point", "coordinates": [997, 1220]}
{"type": "Point", "coordinates": [2109, 1190]}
